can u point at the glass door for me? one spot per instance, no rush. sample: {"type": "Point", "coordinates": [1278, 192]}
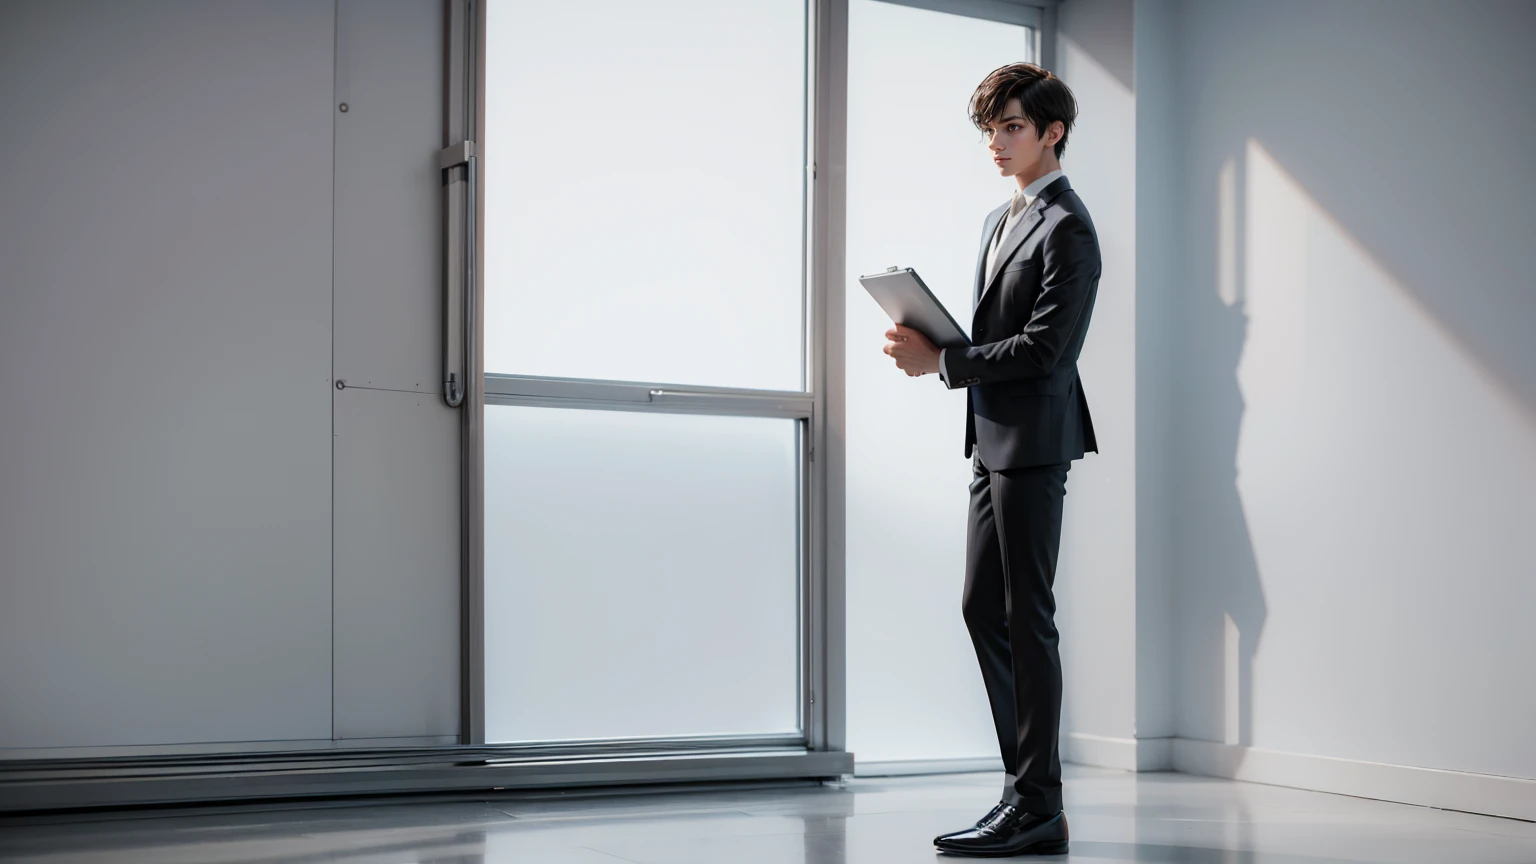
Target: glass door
{"type": "Point", "coordinates": [648, 474]}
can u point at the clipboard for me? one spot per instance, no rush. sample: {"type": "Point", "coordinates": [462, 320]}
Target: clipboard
{"type": "Point", "coordinates": [904, 297]}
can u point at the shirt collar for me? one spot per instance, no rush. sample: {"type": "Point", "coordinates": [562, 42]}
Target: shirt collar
{"type": "Point", "coordinates": [1032, 191]}
{"type": "Point", "coordinates": [1022, 198]}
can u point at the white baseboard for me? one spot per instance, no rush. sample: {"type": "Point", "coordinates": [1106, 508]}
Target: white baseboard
{"type": "Point", "coordinates": [1512, 797]}
{"type": "Point", "coordinates": [1430, 787]}
{"type": "Point", "coordinates": [1127, 754]}
{"type": "Point", "coordinates": [904, 767]}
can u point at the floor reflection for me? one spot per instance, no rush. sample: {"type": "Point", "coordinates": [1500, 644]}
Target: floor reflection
{"type": "Point", "coordinates": [1115, 817]}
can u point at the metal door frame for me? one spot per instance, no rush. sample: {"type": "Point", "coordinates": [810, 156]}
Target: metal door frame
{"type": "Point", "coordinates": [819, 589]}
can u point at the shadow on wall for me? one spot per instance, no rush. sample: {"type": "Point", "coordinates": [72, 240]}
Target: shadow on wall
{"type": "Point", "coordinates": [1230, 610]}
{"type": "Point", "coordinates": [1410, 127]}
{"type": "Point", "coordinates": [1223, 620]}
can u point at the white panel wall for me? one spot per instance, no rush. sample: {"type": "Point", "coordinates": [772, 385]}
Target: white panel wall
{"type": "Point", "coordinates": [1357, 433]}
{"type": "Point", "coordinates": [397, 550]}
{"type": "Point", "coordinates": [165, 323]}
{"type": "Point", "coordinates": [166, 351]}
{"type": "Point", "coordinates": [396, 442]}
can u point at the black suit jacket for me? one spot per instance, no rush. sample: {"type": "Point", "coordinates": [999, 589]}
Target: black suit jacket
{"type": "Point", "coordinates": [1024, 400]}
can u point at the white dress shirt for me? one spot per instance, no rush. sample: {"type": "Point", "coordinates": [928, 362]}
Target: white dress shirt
{"type": "Point", "coordinates": [1021, 201]}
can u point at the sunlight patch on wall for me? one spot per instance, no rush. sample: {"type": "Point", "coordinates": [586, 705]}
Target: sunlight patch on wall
{"type": "Point", "coordinates": [1377, 459]}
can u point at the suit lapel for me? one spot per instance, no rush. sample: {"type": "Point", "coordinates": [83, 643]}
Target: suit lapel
{"type": "Point", "coordinates": [993, 218]}
{"type": "Point", "coordinates": [1021, 231]}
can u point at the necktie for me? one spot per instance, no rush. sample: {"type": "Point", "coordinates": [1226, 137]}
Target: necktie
{"type": "Point", "coordinates": [1017, 206]}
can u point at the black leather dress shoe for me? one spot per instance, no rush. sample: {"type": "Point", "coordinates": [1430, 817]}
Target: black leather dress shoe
{"type": "Point", "coordinates": [1011, 832]}
{"type": "Point", "coordinates": [991, 814]}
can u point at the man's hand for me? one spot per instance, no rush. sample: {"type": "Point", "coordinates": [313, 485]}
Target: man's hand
{"type": "Point", "coordinates": [911, 350]}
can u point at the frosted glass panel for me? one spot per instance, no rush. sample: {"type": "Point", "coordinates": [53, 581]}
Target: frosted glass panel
{"type": "Point", "coordinates": [644, 180]}
{"type": "Point", "coordinates": [920, 183]}
{"type": "Point", "coordinates": [641, 574]}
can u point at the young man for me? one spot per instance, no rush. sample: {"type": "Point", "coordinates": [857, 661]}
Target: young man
{"type": "Point", "coordinates": [1026, 421]}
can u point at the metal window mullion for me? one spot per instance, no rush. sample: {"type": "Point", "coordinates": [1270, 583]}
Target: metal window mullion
{"type": "Point", "coordinates": [532, 385]}
{"type": "Point", "coordinates": [1045, 39]}
{"type": "Point", "coordinates": [615, 396]}
{"type": "Point", "coordinates": [725, 409]}
{"type": "Point", "coordinates": [826, 609]}
{"type": "Point", "coordinates": [812, 634]}
{"type": "Point", "coordinates": [463, 91]}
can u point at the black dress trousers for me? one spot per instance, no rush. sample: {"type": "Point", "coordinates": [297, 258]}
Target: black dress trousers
{"type": "Point", "coordinates": [1012, 538]}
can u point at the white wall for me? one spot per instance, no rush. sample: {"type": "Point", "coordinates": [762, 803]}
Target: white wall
{"type": "Point", "coordinates": [1356, 415]}
{"type": "Point", "coordinates": [1158, 234]}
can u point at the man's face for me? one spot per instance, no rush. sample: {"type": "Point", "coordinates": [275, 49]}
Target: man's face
{"type": "Point", "coordinates": [1015, 147]}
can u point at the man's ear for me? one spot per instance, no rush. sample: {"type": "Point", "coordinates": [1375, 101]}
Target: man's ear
{"type": "Point", "coordinates": [1053, 133]}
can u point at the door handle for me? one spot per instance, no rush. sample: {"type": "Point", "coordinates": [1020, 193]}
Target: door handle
{"type": "Point", "coordinates": [459, 283]}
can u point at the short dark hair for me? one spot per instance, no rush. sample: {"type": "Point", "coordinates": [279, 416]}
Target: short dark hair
{"type": "Point", "coordinates": [1044, 97]}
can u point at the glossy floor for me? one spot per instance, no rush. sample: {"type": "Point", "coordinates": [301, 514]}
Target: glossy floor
{"type": "Point", "coordinates": [1114, 817]}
